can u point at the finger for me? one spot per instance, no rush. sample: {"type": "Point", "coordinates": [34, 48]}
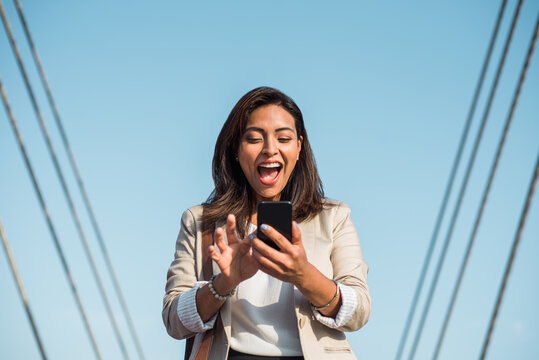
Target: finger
{"type": "Point", "coordinates": [219, 240]}
{"type": "Point", "coordinates": [245, 246]}
{"type": "Point", "coordinates": [248, 241]}
{"type": "Point", "coordinates": [250, 237]}
{"type": "Point", "coordinates": [264, 248]}
{"type": "Point", "coordinates": [214, 255]}
{"type": "Point", "coordinates": [296, 234]}
{"type": "Point", "coordinates": [266, 265]}
{"type": "Point", "coordinates": [276, 236]}
{"type": "Point", "coordinates": [268, 252]}
{"type": "Point", "coordinates": [231, 229]}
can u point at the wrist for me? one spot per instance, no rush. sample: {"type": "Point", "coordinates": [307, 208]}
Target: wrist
{"type": "Point", "coordinates": [331, 302]}
{"type": "Point", "coordinates": [305, 278]}
{"type": "Point", "coordinates": [223, 285]}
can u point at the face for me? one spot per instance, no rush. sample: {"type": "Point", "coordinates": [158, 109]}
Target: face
{"type": "Point", "coordinates": [268, 151]}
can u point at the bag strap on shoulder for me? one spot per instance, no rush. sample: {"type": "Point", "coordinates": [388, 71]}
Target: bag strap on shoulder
{"type": "Point", "coordinates": [203, 350]}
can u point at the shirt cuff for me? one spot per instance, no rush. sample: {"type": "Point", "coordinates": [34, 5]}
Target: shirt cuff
{"type": "Point", "coordinates": [188, 312]}
{"type": "Point", "coordinates": [348, 307]}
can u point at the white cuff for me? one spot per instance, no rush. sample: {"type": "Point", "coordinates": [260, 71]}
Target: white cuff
{"type": "Point", "coordinates": [188, 312]}
{"type": "Point", "coordinates": [348, 307]}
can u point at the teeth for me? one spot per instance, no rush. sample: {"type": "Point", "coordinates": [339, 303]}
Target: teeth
{"type": "Point", "coordinates": [270, 165]}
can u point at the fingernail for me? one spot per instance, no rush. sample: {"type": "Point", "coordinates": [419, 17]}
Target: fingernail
{"type": "Point", "coordinates": [264, 227]}
{"type": "Point", "coordinates": [251, 237]}
{"type": "Point", "coordinates": [297, 226]}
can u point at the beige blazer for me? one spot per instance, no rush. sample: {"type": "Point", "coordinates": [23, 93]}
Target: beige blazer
{"type": "Point", "coordinates": [331, 244]}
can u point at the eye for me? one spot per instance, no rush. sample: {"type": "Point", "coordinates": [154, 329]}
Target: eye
{"type": "Point", "coordinates": [253, 140]}
{"type": "Point", "coordinates": [285, 139]}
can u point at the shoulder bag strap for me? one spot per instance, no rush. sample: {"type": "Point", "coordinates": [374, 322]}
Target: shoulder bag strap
{"type": "Point", "coordinates": [203, 350]}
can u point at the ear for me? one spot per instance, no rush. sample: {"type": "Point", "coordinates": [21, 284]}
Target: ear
{"type": "Point", "coordinates": [300, 142]}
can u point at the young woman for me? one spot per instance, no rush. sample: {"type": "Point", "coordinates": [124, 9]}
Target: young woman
{"type": "Point", "coordinates": [262, 303]}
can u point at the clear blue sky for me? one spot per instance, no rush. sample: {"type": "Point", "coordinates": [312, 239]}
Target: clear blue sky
{"type": "Point", "coordinates": [144, 88]}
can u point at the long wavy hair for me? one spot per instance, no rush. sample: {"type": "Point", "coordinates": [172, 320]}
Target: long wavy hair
{"type": "Point", "coordinates": [232, 193]}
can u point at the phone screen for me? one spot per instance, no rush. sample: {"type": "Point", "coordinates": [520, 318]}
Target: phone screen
{"type": "Point", "coordinates": [277, 214]}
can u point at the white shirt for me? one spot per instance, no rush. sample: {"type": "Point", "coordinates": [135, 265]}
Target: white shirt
{"type": "Point", "coordinates": [263, 316]}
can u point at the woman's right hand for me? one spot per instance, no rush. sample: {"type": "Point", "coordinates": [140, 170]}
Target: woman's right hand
{"type": "Point", "coordinates": [234, 258]}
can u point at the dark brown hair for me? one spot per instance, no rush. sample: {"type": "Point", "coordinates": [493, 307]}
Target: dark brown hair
{"type": "Point", "coordinates": [232, 193]}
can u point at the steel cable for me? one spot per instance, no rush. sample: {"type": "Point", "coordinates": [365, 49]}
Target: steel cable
{"type": "Point", "coordinates": [80, 182]}
{"type": "Point", "coordinates": [464, 184]}
{"type": "Point", "coordinates": [63, 183]}
{"type": "Point", "coordinates": [449, 186]}
{"type": "Point", "coordinates": [509, 264]}
{"type": "Point", "coordinates": [486, 191]}
{"type": "Point", "coordinates": [22, 293]}
{"type": "Point", "coordinates": [50, 225]}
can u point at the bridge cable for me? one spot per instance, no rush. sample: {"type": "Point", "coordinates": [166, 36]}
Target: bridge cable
{"type": "Point", "coordinates": [24, 300]}
{"type": "Point", "coordinates": [464, 185]}
{"type": "Point", "coordinates": [510, 260]}
{"type": "Point", "coordinates": [63, 183]}
{"type": "Point", "coordinates": [486, 191]}
{"type": "Point", "coordinates": [449, 186]}
{"type": "Point", "coordinates": [80, 182]}
{"type": "Point", "coordinates": [52, 230]}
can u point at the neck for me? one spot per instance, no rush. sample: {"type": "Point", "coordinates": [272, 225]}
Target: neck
{"type": "Point", "coordinates": [257, 199]}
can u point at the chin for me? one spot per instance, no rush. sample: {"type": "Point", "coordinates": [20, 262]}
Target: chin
{"type": "Point", "coordinates": [269, 196]}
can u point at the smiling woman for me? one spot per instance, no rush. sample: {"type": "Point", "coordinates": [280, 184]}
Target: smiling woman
{"type": "Point", "coordinates": [235, 180]}
{"type": "Point", "coordinates": [268, 151]}
{"type": "Point", "coordinates": [255, 302]}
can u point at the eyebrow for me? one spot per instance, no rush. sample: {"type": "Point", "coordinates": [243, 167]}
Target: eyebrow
{"type": "Point", "coordinates": [260, 130]}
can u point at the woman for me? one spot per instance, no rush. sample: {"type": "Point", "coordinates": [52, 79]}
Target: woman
{"type": "Point", "coordinates": [289, 304]}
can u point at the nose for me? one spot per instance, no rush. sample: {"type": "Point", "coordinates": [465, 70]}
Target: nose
{"type": "Point", "coordinates": [270, 146]}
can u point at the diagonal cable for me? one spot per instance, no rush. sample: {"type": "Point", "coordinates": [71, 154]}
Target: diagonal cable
{"type": "Point", "coordinates": [509, 264]}
{"type": "Point", "coordinates": [464, 184]}
{"type": "Point", "coordinates": [63, 183]}
{"type": "Point", "coordinates": [486, 191]}
{"type": "Point", "coordinates": [80, 183]}
{"type": "Point", "coordinates": [441, 212]}
{"type": "Point", "coordinates": [22, 293]}
{"type": "Point", "coordinates": [52, 230]}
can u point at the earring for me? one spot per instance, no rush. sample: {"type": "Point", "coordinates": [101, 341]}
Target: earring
{"type": "Point", "coordinates": [237, 158]}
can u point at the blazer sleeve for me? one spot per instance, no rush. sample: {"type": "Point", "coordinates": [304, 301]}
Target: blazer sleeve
{"type": "Point", "coordinates": [349, 268]}
{"type": "Point", "coordinates": [181, 276]}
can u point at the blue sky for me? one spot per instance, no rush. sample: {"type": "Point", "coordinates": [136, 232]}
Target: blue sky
{"type": "Point", "coordinates": [144, 88]}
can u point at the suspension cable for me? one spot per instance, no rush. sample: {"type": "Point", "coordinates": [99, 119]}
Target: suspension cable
{"type": "Point", "coordinates": [80, 183]}
{"type": "Point", "coordinates": [63, 183]}
{"type": "Point", "coordinates": [464, 184]}
{"type": "Point", "coordinates": [52, 230]}
{"type": "Point", "coordinates": [486, 191]}
{"type": "Point", "coordinates": [22, 293]}
{"type": "Point", "coordinates": [449, 186]}
{"type": "Point", "coordinates": [510, 260]}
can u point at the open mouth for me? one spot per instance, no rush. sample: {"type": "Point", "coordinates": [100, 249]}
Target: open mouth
{"type": "Point", "coordinates": [269, 172]}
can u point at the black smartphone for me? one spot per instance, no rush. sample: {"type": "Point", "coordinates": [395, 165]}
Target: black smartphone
{"type": "Point", "coordinates": [277, 214]}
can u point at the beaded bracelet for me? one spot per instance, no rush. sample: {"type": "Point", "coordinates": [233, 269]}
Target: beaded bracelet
{"type": "Point", "coordinates": [318, 308]}
{"type": "Point", "coordinates": [216, 294]}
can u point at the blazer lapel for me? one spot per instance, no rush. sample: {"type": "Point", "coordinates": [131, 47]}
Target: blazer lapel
{"type": "Point", "coordinates": [308, 238]}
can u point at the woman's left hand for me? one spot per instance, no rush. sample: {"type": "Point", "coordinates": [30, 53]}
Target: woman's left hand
{"type": "Point", "coordinates": [290, 264]}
